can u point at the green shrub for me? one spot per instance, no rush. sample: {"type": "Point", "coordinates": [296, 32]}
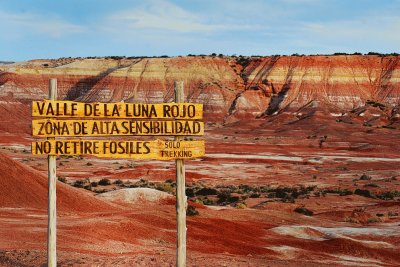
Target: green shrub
{"type": "Point", "coordinates": [88, 187]}
{"type": "Point", "coordinates": [240, 205]}
{"type": "Point", "coordinates": [166, 187]}
{"type": "Point", "coordinates": [189, 192]}
{"type": "Point", "coordinates": [304, 211]}
{"type": "Point", "coordinates": [104, 181]}
{"type": "Point", "coordinates": [373, 220]}
{"type": "Point", "coordinates": [99, 191]}
{"type": "Point", "coordinates": [389, 195]}
{"type": "Point", "coordinates": [206, 191]}
{"type": "Point", "coordinates": [79, 183]}
{"type": "Point", "coordinates": [225, 198]}
{"type": "Point", "coordinates": [365, 177]}
{"type": "Point", "coordinates": [351, 220]}
{"type": "Point", "coordinates": [208, 202]}
{"type": "Point", "coordinates": [392, 214]}
{"type": "Point", "coordinates": [62, 179]}
{"type": "Point", "coordinates": [191, 211]}
{"type": "Point", "coordinates": [364, 193]}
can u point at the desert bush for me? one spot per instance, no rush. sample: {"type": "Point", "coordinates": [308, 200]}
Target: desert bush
{"type": "Point", "coordinates": [206, 191]}
{"type": "Point", "coordinates": [62, 179]}
{"type": "Point", "coordinates": [240, 205]}
{"type": "Point", "coordinates": [189, 192]}
{"type": "Point", "coordinates": [371, 185]}
{"type": "Point", "coordinates": [88, 187]}
{"type": "Point", "coordinates": [198, 201]}
{"type": "Point", "coordinates": [364, 193]}
{"type": "Point", "coordinates": [389, 195]}
{"type": "Point", "coordinates": [281, 192]}
{"type": "Point", "coordinates": [255, 195]}
{"type": "Point", "coordinates": [374, 54]}
{"type": "Point", "coordinates": [79, 183]}
{"type": "Point", "coordinates": [339, 191]}
{"type": "Point", "coordinates": [118, 181]}
{"type": "Point", "coordinates": [247, 188]}
{"type": "Point", "coordinates": [143, 181]}
{"type": "Point", "coordinates": [104, 181]}
{"type": "Point", "coordinates": [166, 187]}
{"type": "Point", "coordinates": [373, 220]}
{"type": "Point", "coordinates": [345, 192]}
{"type": "Point", "coordinates": [264, 189]}
{"type": "Point", "coordinates": [207, 201]}
{"type": "Point", "coordinates": [351, 220]}
{"type": "Point", "coordinates": [191, 211]}
{"type": "Point", "coordinates": [225, 197]}
{"type": "Point", "coordinates": [99, 191]}
{"type": "Point", "coordinates": [94, 184]}
{"type": "Point", "coordinates": [365, 177]}
{"type": "Point", "coordinates": [288, 199]}
{"type": "Point", "coordinates": [303, 210]}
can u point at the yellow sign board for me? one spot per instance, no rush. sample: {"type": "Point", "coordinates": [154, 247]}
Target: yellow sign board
{"type": "Point", "coordinates": [53, 128]}
{"type": "Point", "coordinates": [65, 109]}
{"type": "Point", "coordinates": [155, 149]}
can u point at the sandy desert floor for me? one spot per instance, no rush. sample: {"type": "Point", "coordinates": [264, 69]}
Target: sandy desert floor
{"type": "Point", "coordinates": [350, 176]}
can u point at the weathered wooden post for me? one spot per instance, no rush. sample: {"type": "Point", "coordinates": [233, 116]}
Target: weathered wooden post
{"type": "Point", "coordinates": [52, 198]}
{"type": "Point", "coordinates": [180, 193]}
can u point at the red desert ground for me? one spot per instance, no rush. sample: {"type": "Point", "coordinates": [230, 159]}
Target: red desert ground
{"type": "Point", "coordinates": [301, 166]}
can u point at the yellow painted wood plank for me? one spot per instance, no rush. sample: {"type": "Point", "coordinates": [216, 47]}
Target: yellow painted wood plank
{"type": "Point", "coordinates": [54, 128]}
{"type": "Point", "coordinates": [65, 109]}
{"type": "Point", "coordinates": [155, 149]}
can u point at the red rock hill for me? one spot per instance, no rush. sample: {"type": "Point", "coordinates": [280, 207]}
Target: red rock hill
{"type": "Point", "coordinates": [238, 87]}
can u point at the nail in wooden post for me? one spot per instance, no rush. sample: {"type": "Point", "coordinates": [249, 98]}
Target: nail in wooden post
{"type": "Point", "coordinates": [180, 193]}
{"type": "Point", "coordinates": [52, 200]}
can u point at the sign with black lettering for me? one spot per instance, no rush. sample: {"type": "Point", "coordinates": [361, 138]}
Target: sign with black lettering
{"type": "Point", "coordinates": [64, 109]}
{"type": "Point", "coordinates": [54, 128]}
{"type": "Point", "coordinates": [155, 149]}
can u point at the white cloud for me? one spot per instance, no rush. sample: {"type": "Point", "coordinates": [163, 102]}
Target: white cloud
{"type": "Point", "coordinates": [20, 24]}
{"type": "Point", "coordinates": [163, 15]}
{"type": "Point", "coordinates": [367, 29]}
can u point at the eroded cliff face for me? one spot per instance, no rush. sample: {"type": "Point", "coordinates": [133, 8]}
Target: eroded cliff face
{"type": "Point", "coordinates": [231, 88]}
{"type": "Point", "coordinates": [210, 81]}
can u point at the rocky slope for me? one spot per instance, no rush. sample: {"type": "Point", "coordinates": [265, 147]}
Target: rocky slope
{"type": "Point", "coordinates": [231, 88]}
{"type": "Point", "coordinates": [329, 123]}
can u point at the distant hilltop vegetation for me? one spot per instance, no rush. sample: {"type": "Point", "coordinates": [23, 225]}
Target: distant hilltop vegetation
{"type": "Point", "coordinates": [6, 62]}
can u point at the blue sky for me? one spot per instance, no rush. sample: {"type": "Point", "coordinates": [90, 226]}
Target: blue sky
{"type": "Point", "coordinates": [78, 28]}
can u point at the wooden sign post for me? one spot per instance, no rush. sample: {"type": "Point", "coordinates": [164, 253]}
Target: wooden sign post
{"type": "Point", "coordinates": [180, 194]}
{"type": "Point", "coordinates": [177, 119]}
{"type": "Point", "coordinates": [52, 198]}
